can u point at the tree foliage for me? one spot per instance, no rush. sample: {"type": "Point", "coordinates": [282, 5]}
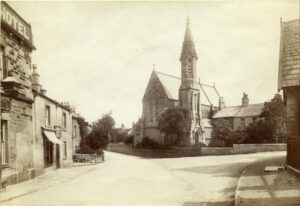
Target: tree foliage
{"type": "Point", "coordinates": [224, 136]}
{"type": "Point", "coordinates": [275, 117]}
{"type": "Point", "coordinates": [172, 122]}
{"type": "Point", "coordinates": [101, 130]}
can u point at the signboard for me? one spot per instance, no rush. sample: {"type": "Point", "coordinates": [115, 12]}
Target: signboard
{"type": "Point", "coordinates": [11, 20]}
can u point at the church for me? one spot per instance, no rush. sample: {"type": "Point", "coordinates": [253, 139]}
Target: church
{"type": "Point", "coordinates": [187, 92]}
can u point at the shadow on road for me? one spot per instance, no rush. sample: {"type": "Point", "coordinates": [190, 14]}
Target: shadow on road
{"type": "Point", "coordinates": [226, 170]}
{"type": "Point", "coordinates": [221, 203]}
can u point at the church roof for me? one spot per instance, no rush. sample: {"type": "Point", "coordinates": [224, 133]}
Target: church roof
{"type": "Point", "coordinates": [171, 84]}
{"type": "Point", "coordinates": [240, 111]}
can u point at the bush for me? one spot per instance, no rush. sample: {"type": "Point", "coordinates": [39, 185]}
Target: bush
{"type": "Point", "coordinates": [87, 150]}
{"type": "Point", "coordinates": [128, 140]}
{"type": "Point", "coordinates": [148, 143]}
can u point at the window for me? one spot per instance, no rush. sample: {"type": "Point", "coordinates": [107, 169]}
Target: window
{"type": "Point", "coordinates": [2, 63]}
{"type": "Point", "coordinates": [151, 108]}
{"type": "Point", "coordinates": [254, 120]}
{"type": "Point", "coordinates": [48, 117]}
{"type": "Point", "coordinates": [65, 150]}
{"type": "Point", "coordinates": [64, 119]}
{"type": "Point", "coordinates": [4, 142]}
{"type": "Point", "coordinates": [190, 66]}
{"type": "Point", "coordinates": [156, 106]}
{"type": "Point", "coordinates": [243, 122]}
{"type": "Point", "coordinates": [74, 131]}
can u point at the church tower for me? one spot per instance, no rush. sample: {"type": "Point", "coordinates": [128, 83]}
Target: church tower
{"type": "Point", "coordinates": [189, 92]}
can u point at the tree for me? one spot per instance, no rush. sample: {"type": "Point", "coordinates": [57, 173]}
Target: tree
{"type": "Point", "coordinates": [275, 117]}
{"type": "Point", "coordinates": [101, 130]}
{"type": "Point", "coordinates": [272, 129]}
{"type": "Point", "coordinates": [224, 136]}
{"type": "Point", "coordinates": [172, 122]}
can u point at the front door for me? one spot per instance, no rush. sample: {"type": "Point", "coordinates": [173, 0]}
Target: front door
{"type": "Point", "coordinates": [57, 156]}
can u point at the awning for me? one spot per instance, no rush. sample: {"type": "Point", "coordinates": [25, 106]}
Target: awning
{"type": "Point", "coordinates": [52, 137]}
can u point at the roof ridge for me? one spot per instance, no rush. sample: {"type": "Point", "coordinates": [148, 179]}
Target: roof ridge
{"type": "Point", "coordinates": [289, 21]}
{"type": "Point", "coordinates": [167, 74]}
{"type": "Point", "coordinates": [203, 84]}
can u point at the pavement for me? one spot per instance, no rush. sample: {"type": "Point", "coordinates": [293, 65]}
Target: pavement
{"type": "Point", "coordinates": [46, 180]}
{"type": "Point", "coordinates": [190, 181]}
{"type": "Point", "coordinates": [260, 188]}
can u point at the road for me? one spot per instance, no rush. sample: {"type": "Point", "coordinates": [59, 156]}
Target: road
{"type": "Point", "coordinates": [127, 180]}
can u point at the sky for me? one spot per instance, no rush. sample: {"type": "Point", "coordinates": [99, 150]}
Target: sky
{"type": "Point", "coordinates": [99, 55]}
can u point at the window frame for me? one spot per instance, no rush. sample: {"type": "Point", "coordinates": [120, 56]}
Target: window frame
{"type": "Point", "coordinates": [65, 150]}
{"type": "Point", "coordinates": [4, 142]}
{"type": "Point", "coordinates": [64, 120]}
{"type": "Point", "coordinates": [47, 116]}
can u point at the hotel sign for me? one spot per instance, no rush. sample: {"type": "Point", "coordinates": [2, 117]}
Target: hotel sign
{"type": "Point", "coordinates": [15, 23]}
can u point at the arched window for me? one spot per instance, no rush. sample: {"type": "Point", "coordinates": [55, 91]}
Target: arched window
{"type": "Point", "coordinates": [157, 96]}
{"type": "Point", "coordinates": [150, 107]}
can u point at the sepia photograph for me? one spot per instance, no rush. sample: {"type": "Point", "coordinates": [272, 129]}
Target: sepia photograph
{"type": "Point", "coordinates": [150, 103]}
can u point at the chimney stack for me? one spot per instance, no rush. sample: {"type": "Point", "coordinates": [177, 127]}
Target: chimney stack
{"type": "Point", "coordinates": [35, 79]}
{"type": "Point", "coordinates": [221, 103]}
{"type": "Point", "coordinates": [245, 100]}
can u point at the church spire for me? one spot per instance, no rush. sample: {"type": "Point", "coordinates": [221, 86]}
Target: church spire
{"type": "Point", "coordinates": [188, 47]}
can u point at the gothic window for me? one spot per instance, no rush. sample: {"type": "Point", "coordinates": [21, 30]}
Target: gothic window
{"type": "Point", "coordinates": [156, 105]}
{"type": "Point", "coordinates": [150, 107]}
{"type": "Point", "coordinates": [198, 105]}
{"type": "Point", "coordinates": [196, 102]}
{"type": "Point", "coordinates": [190, 66]}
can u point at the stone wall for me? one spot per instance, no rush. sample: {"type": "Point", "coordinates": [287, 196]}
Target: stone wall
{"type": "Point", "coordinates": [20, 140]}
{"type": "Point", "coordinates": [292, 97]}
{"type": "Point", "coordinates": [195, 151]}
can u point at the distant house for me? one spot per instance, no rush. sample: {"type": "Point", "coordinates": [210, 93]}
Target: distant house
{"type": "Point", "coordinates": [289, 82]}
{"type": "Point", "coordinates": [76, 136]}
{"type": "Point", "coordinates": [119, 134]}
{"type": "Point", "coordinates": [241, 116]}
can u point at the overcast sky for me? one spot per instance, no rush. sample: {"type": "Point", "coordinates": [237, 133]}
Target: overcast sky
{"type": "Point", "coordinates": [99, 55]}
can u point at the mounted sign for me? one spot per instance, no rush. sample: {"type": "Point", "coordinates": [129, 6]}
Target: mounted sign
{"type": "Point", "coordinates": [11, 20]}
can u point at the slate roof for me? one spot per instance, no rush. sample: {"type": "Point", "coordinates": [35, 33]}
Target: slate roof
{"type": "Point", "coordinates": [209, 94]}
{"type": "Point", "coordinates": [289, 59]}
{"type": "Point", "coordinates": [240, 111]}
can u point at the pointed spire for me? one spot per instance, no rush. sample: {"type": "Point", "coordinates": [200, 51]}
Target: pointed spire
{"type": "Point", "coordinates": [188, 46]}
{"type": "Point", "coordinates": [188, 34]}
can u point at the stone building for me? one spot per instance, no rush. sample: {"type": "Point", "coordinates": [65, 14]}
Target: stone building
{"type": "Point", "coordinates": [36, 131]}
{"type": "Point", "coordinates": [289, 82]}
{"type": "Point", "coordinates": [76, 136]}
{"type": "Point", "coordinates": [79, 131]}
{"type": "Point", "coordinates": [52, 130]}
{"type": "Point", "coordinates": [241, 116]}
{"type": "Point", "coordinates": [165, 91]}
{"type": "Point", "coordinates": [16, 97]}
